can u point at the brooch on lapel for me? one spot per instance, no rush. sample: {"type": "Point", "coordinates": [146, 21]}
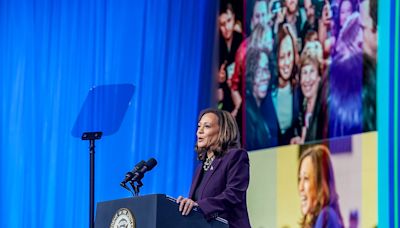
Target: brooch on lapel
{"type": "Point", "coordinates": [207, 163]}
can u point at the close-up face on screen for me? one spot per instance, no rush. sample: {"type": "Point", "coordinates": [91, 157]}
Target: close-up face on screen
{"type": "Point", "coordinates": [321, 60]}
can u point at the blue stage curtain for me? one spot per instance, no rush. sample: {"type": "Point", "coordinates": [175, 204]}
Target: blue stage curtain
{"type": "Point", "coordinates": [52, 52]}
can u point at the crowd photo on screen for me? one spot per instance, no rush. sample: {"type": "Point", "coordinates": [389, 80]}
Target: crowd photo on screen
{"type": "Point", "coordinates": [297, 71]}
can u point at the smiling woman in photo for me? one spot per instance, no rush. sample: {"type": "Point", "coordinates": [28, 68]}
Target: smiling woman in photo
{"type": "Point", "coordinates": [258, 77]}
{"type": "Point", "coordinates": [285, 91]}
{"type": "Point", "coordinates": [319, 201]}
{"type": "Point", "coordinates": [312, 116]}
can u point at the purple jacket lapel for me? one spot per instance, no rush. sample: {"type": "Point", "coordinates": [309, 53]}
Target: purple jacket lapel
{"type": "Point", "coordinates": [208, 175]}
{"type": "Point", "coordinates": [196, 179]}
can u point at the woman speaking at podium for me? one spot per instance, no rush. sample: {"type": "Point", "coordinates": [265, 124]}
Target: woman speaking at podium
{"type": "Point", "coordinates": [221, 179]}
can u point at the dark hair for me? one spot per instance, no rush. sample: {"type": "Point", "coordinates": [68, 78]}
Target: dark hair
{"type": "Point", "coordinates": [250, 4]}
{"type": "Point", "coordinates": [228, 136]}
{"type": "Point", "coordinates": [373, 13]}
{"type": "Point", "coordinates": [338, 26]}
{"type": "Point", "coordinates": [225, 7]}
{"type": "Point", "coordinates": [252, 58]}
{"type": "Point", "coordinates": [284, 31]}
{"type": "Point", "coordinates": [353, 5]}
{"type": "Point", "coordinates": [310, 33]}
{"type": "Point", "coordinates": [369, 93]}
{"type": "Point", "coordinates": [325, 183]}
{"type": "Point", "coordinates": [344, 99]}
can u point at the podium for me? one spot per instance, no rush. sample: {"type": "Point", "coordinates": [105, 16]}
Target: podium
{"type": "Point", "coordinates": [150, 211]}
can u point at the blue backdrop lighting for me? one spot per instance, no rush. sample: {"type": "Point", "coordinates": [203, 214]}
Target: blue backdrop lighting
{"type": "Point", "coordinates": [52, 53]}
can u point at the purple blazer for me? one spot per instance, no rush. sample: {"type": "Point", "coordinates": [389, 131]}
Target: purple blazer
{"type": "Point", "coordinates": [223, 193]}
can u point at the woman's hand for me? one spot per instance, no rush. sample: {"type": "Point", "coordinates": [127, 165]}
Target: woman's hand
{"type": "Point", "coordinates": [296, 140]}
{"type": "Point", "coordinates": [186, 205]}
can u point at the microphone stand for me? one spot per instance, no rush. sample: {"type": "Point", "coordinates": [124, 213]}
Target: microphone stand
{"type": "Point", "coordinates": [91, 136]}
{"type": "Point", "coordinates": [136, 188]}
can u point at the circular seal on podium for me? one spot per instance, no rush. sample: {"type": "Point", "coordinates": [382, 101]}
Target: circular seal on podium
{"type": "Point", "coordinates": [123, 218]}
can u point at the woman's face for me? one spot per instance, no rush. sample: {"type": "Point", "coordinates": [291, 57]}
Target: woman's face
{"type": "Point", "coordinates": [286, 58]}
{"type": "Point", "coordinates": [207, 130]}
{"type": "Point", "coordinates": [346, 10]}
{"type": "Point", "coordinates": [309, 80]}
{"type": "Point", "coordinates": [262, 77]}
{"type": "Point", "coordinates": [307, 186]}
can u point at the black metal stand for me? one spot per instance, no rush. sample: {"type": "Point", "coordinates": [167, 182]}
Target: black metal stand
{"type": "Point", "coordinates": [136, 188]}
{"type": "Point", "coordinates": [91, 136]}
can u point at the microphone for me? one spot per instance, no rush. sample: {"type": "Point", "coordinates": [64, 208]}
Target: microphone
{"type": "Point", "coordinates": [150, 164]}
{"type": "Point", "coordinates": [129, 175]}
